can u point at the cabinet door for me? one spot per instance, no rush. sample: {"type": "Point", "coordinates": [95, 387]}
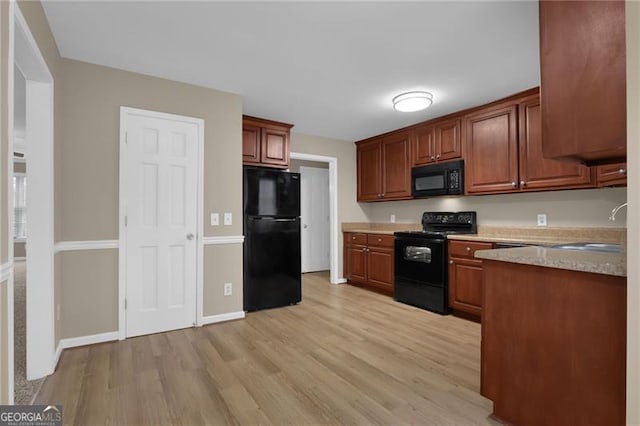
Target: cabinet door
{"type": "Point", "coordinates": [424, 148]}
{"type": "Point", "coordinates": [369, 169]}
{"type": "Point", "coordinates": [492, 151]}
{"type": "Point", "coordinates": [583, 79]}
{"type": "Point", "coordinates": [380, 267]}
{"type": "Point", "coordinates": [448, 139]}
{"type": "Point", "coordinates": [250, 144]}
{"type": "Point", "coordinates": [465, 285]}
{"type": "Point", "coordinates": [357, 263]}
{"type": "Point", "coordinates": [612, 175]}
{"type": "Point", "coordinates": [275, 147]}
{"type": "Point", "coordinates": [537, 172]}
{"type": "Point", "coordinates": [396, 167]}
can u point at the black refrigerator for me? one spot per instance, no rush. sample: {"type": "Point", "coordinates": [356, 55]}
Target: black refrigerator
{"type": "Point", "coordinates": [272, 272]}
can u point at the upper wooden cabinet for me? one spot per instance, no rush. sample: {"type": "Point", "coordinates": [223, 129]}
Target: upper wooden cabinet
{"type": "Point", "coordinates": [612, 175]}
{"type": "Point", "coordinates": [384, 168]}
{"type": "Point", "coordinates": [583, 80]}
{"type": "Point", "coordinates": [437, 142]}
{"type": "Point", "coordinates": [536, 172]}
{"type": "Point", "coordinates": [265, 142]}
{"type": "Point", "coordinates": [504, 152]}
{"type": "Point", "coordinates": [491, 155]}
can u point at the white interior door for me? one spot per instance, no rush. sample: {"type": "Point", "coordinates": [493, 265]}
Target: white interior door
{"type": "Point", "coordinates": [161, 214]}
{"type": "Point", "coordinates": [314, 209]}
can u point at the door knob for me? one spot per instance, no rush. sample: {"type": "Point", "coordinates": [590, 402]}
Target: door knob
{"type": "Point", "coordinates": [190, 236]}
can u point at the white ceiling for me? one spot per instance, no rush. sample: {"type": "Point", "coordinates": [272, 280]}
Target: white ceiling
{"type": "Point", "coordinates": [330, 68]}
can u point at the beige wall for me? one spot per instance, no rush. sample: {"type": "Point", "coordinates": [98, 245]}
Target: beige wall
{"type": "Point", "coordinates": [294, 165]}
{"type": "Point", "coordinates": [583, 208]}
{"type": "Point", "coordinates": [345, 152]}
{"type": "Point", "coordinates": [88, 156]}
{"type": "Point", "coordinates": [19, 249]}
{"type": "Point", "coordinates": [221, 266]}
{"type": "Point", "coordinates": [89, 302]}
{"type": "Point", "coordinates": [633, 231]}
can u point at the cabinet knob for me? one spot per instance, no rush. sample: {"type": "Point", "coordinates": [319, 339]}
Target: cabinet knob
{"type": "Point", "coordinates": [523, 183]}
{"type": "Point", "coordinates": [438, 157]}
{"type": "Point", "coordinates": [379, 240]}
{"type": "Point", "coordinates": [364, 249]}
{"type": "Point", "coordinates": [353, 238]}
{"type": "Point", "coordinates": [514, 184]}
{"type": "Point", "coordinates": [451, 262]}
{"type": "Point", "coordinates": [622, 171]}
{"type": "Point", "coordinates": [433, 157]}
{"type": "Point", "coordinates": [468, 249]}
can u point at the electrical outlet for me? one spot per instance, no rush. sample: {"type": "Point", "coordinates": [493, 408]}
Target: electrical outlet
{"type": "Point", "coordinates": [215, 219]}
{"type": "Point", "coordinates": [228, 289]}
{"type": "Point", "coordinates": [227, 219]}
{"type": "Point", "coordinates": [392, 218]}
{"type": "Point", "coordinates": [542, 219]}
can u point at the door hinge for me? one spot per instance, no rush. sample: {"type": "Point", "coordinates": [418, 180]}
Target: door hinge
{"type": "Point", "coordinates": [125, 221]}
{"type": "Point", "coordinates": [125, 304]}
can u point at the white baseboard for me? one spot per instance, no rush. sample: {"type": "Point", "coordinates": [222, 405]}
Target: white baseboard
{"type": "Point", "coordinates": [56, 357]}
{"type": "Point", "coordinates": [340, 281]}
{"type": "Point", "coordinates": [19, 258]}
{"type": "Point", "coordinates": [74, 342]}
{"type": "Point", "coordinates": [212, 319]}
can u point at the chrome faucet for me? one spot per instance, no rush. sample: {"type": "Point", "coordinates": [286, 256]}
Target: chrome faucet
{"type": "Point", "coordinates": [612, 217]}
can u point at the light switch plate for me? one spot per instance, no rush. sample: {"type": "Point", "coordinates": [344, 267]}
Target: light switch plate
{"type": "Point", "coordinates": [227, 219]}
{"type": "Point", "coordinates": [215, 219]}
{"type": "Point", "coordinates": [542, 219]}
{"type": "Point", "coordinates": [392, 218]}
{"type": "Point", "coordinates": [228, 289]}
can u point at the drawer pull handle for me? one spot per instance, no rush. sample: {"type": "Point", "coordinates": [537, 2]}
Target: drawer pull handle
{"type": "Point", "coordinates": [622, 171]}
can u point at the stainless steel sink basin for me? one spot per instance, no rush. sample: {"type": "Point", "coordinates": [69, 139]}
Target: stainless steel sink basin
{"type": "Point", "coordinates": [606, 248]}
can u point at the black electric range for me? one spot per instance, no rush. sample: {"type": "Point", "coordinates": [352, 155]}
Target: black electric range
{"type": "Point", "coordinates": [421, 277]}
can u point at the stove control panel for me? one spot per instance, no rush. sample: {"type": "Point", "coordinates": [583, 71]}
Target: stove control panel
{"type": "Point", "coordinates": [453, 218]}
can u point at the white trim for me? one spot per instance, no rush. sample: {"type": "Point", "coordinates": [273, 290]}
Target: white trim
{"type": "Point", "coordinates": [19, 258]}
{"type": "Point", "coordinates": [56, 357]}
{"type": "Point", "coordinates": [212, 319]}
{"type": "Point", "coordinates": [333, 206]}
{"type": "Point", "coordinates": [25, 54]}
{"type": "Point", "coordinates": [6, 271]}
{"type": "Point", "coordinates": [122, 253]}
{"type": "Point", "coordinates": [86, 245]}
{"type": "Point", "coordinates": [341, 281]}
{"type": "Point", "coordinates": [74, 342]}
{"type": "Point", "coordinates": [231, 239]}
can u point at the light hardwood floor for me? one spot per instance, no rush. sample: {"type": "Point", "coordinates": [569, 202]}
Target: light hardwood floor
{"type": "Point", "coordinates": [343, 356]}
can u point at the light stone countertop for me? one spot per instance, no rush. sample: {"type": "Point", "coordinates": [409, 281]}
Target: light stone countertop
{"type": "Point", "coordinates": [371, 231]}
{"type": "Point", "coordinates": [574, 260]}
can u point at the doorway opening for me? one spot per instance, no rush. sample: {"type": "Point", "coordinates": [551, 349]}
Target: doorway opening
{"type": "Point", "coordinates": [30, 97]}
{"type": "Point", "coordinates": [332, 163]}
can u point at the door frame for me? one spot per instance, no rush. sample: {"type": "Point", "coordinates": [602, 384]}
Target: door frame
{"type": "Point", "coordinates": [25, 54]}
{"type": "Point", "coordinates": [125, 112]}
{"type": "Point", "coordinates": [329, 230]}
{"type": "Point", "coordinates": [333, 208]}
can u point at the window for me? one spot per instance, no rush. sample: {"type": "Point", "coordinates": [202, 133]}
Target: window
{"type": "Point", "coordinates": [20, 206]}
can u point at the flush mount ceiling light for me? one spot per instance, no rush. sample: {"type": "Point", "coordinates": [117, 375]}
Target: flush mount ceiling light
{"type": "Point", "coordinates": [412, 101]}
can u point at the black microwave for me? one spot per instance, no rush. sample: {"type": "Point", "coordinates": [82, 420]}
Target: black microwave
{"type": "Point", "coordinates": [438, 179]}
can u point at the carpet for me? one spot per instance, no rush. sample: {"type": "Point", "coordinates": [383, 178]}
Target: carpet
{"type": "Point", "coordinates": [25, 390]}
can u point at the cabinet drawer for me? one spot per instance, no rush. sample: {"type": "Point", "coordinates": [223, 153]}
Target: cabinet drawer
{"type": "Point", "coordinates": [380, 240]}
{"type": "Point", "coordinates": [467, 248]}
{"type": "Point", "coordinates": [355, 238]}
{"type": "Point", "coordinates": [612, 174]}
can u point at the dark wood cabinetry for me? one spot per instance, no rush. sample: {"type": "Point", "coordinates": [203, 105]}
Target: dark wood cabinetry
{"type": "Point", "coordinates": [583, 80]}
{"type": "Point", "coordinates": [384, 170]}
{"type": "Point", "coordinates": [465, 276]}
{"type": "Point", "coordinates": [437, 142]}
{"type": "Point", "coordinates": [368, 260]}
{"type": "Point", "coordinates": [504, 152]}
{"type": "Point", "coordinates": [555, 339]}
{"type": "Point", "coordinates": [265, 142]}
{"type": "Point", "coordinates": [612, 175]}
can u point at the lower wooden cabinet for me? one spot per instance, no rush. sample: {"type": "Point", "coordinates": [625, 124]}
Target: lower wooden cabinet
{"type": "Point", "coordinates": [465, 276]}
{"type": "Point", "coordinates": [368, 260]}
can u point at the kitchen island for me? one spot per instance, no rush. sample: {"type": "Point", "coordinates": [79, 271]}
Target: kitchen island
{"type": "Point", "coordinates": [554, 336]}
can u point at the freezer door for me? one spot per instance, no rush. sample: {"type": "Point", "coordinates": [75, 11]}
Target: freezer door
{"type": "Point", "coordinates": [271, 193]}
{"type": "Point", "coordinates": [272, 274]}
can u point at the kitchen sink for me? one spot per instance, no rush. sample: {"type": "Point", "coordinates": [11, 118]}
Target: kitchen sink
{"type": "Point", "coordinates": [599, 247]}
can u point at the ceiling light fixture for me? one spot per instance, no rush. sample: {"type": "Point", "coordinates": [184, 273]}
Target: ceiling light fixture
{"type": "Point", "coordinates": [412, 101]}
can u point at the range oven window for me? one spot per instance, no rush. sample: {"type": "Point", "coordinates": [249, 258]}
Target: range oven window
{"type": "Point", "coordinates": [417, 254]}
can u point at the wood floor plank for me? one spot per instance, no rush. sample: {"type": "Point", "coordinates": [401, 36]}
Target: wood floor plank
{"type": "Point", "coordinates": [344, 355]}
